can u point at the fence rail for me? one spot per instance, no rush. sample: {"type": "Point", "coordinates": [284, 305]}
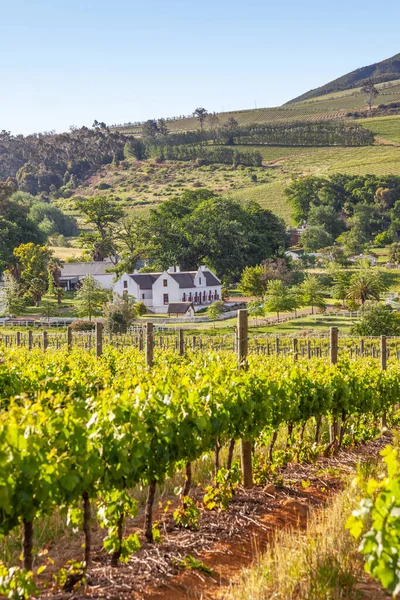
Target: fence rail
{"type": "Point", "coordinates": [181, 341]}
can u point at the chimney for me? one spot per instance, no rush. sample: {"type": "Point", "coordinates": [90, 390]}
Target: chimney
{"type": "Point", "coordinates": [171, 270]}
{"type": "Point", "coordinates": [177, 269]}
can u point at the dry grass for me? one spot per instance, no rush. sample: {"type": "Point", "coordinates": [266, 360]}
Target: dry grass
{"type": "Point", "coordinates": [319, 564]}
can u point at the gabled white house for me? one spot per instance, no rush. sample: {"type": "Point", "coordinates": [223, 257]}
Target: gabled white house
{"type": "Point", "coordinates": [158, 290]}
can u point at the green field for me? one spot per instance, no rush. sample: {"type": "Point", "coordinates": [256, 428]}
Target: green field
{"type": "Point", "coordinates": [385, 127]}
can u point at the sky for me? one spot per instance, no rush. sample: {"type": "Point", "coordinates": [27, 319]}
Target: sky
{"type": "Point", "coordinates": [68, 63]}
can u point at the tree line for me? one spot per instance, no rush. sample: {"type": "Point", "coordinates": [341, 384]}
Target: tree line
{"type": "Point", "coordinates": [45, 162]}
{"type": "Point", "coordinates": [351, 210]}
{"type": "Point", "coordinates": [230, 133]}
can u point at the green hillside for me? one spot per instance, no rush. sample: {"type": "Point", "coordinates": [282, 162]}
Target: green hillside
{"type": "Point", "coordinates": [387, 128]}
{"type": "Point", "coordinates": [329, 106]}
{"type": "Point", "coordinates": [383, 71]}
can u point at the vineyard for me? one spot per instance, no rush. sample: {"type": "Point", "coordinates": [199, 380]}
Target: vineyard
{"type": "Point", "coordinates": [85, 424]}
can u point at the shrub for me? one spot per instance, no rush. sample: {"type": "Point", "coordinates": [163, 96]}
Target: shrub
{"type": "Point", "coordinates": [82, 325]}
{"type": "Point", "coordinates": [103, 186]}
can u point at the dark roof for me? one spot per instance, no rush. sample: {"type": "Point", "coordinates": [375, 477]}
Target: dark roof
{"type": "Point", "coordinates": [179, 308]}
{"type": "Point", "coordinates": [77, 269]}
{"type": "Point", "coordinates": [211, 279]}
{"type": "Point", "coordinates": [145, 280]}
{"type": "Point", "coordinates": [185, 280]}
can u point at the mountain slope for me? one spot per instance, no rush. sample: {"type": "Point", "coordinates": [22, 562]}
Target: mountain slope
{"type": "Point", "coordinates": [386, 70]}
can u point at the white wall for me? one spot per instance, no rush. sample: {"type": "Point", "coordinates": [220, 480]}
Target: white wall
{"type": "Point", "coordinates": [132, 289]}
{"type": "Point", "coordinates": [159, 290]}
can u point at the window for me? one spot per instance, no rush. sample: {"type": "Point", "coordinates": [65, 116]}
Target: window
{"type": "Point", "coordinates": [190, 296]}
{"type": "Point", "coordinates": [166, 299]}
{"type": "Point", "coordinates": [165, 282]}
{"type": "Point", "coordinates": [199, 280]}
{"type": "Point", "coordinates": [184, 297]}
{"type": "Point", "coordinates": [204, 295]}
{"type": "Point", "coordinates": [142, 296]}
{"type": "Point", "coordinates": [125, 284]}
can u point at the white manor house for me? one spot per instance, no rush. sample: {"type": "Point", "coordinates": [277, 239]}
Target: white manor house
{"type": "Point", "coordinates": [160, 290]}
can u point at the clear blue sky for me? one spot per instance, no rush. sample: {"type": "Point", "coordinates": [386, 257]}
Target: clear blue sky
{"type": "Point", "coordinates": [69, 62]}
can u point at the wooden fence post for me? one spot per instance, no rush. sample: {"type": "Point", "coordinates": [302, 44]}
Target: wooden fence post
{"type": "Point", "coordinates": [334, 339]}
{"type": "Point", "coordinates": [194, 343]}
{"type": "Point", "coordinates": [30, 340]}
{"type": "Point", "coordinates": [45, 341]}
{"type": "Point", "coordinates": [18, 338]}
{"type": "Point", "coordinates": [149, 344]}
{"type": "Point", "coordinates": [277, 345]}
{"type": "Point", "coordinates": [246, 446]}
{"type": "Point", "coordinates": [99, 339]}
{"type": "Point", "coordinates": [69, 338]}
{"type": "Point", "coordinates": [295, 349]}
{"type": "Point", "coordinates": [309, 349]}
{"type": "Point", "coordinates": [181, 342]}
{"type": "Point", "coordinates": [383, 367]}
{"type": "Point", "coordinates": [141, 339]}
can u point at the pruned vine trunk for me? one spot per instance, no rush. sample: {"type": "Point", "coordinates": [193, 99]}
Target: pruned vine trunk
{"type": "Point", "coordinates": [27, 544]}
{"type": "Point", "coordinates": [317, 430]}
{"type": "Point", "coordinates": [231, 448]}
{"type": "Point", "coordinates": [148, 513]}
{"type": "Point", "coordinates": [216, 456]}
{"type": "Point", "coordinates": [86, 527]}
{"type": "Point", "coordinates": [272, 444]}
{"type": "Point", "coordinates": [117, 553]}
{"type": "Point", "coordinates": [188, 480]}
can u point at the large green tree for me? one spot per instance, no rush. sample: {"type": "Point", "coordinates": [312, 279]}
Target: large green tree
{"type": "Point", "coordinates": [203, 228]}
{"type": "Point", "coordinates": [376, 320]}
{"type": "Point", "coordinates": [103, 216]}
{"type": "Point", "coordinates": [90, 298]}
{"type": "Point", "coordinates": [278, 298]}
{"type": "Point", "coordinates": [312, 292]}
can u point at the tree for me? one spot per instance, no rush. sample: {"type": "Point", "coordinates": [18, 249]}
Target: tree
{"type": "Point", "coordinates": [32, 263]}
{"type": "Point", "coordinates": [120, 313]}
{"type": "Point", "coordinates": [302, 194]}
{"type": "Point", "coordinates": [341, 283]}
{"type": "Point", "coordinates": [352, 241]}
{"type": "Point", "coordinates": [201, 115]}
{"type": "Point", "coordinates": [326, 217]}
{"type": "Point", "coordinates": [11, 302]}
{"type": "Point", "coordinates": [150, 129]}
{"type": "Point", "coordinates": [200, 227]}
{"type": "Point", "coordinates": [47, 307]}
{"type": "Point", "coordinates": [130, 240]}
{"type": "Point", "coordinates": [251, 283]}
{"type": "Point", "coordinates": [275, 268]}
{"type": "Point", "coordinates": [383, 239]}
{"type": "Point", "coordinates": [366, 284]}
{"type": "Point", "coordinates": [376, 320]}
{"type": "Point", "coordinates": [90, 298]}
{"type": "Point", "coordinates": [314, 238]}
{"type": "Point", "coordinates": [136, 148]}
{"type": "Point", "coordinates": [394, 253]}
{"type": "Point", "coordinates": [215, 310]}
{"type": "Point", "coordinates": [312, 292]}
{"type": "Point", "coordinates": [256, 309]}
{"type": "Point", "coordinates": [162, 127]}
{"type": "Point", "coordinates": [278, 298]}
{"type": "Point", "coordinates": [104, 216]}
{"type": "Point", "coordinates": [36, 290]}
{"type": "Point", "coordinates": [370, 92]}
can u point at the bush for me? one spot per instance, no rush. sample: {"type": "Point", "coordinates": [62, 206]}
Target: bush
{"type": "Point", "coordinates": [377, 319]}
{"type": "Point", "coordinates": [383, 239]}
{"type": "Point", "coordinates": [140, 309]}
{"type": "Point", "coordinates": [103, 186]}
{"type": "Point", "coordinates": [83, 325]}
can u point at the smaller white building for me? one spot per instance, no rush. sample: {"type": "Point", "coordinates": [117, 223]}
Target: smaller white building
{"type": "Point", "coordinates": [158, 290]}
{"type": "Point", "coordinates": [72, 273]}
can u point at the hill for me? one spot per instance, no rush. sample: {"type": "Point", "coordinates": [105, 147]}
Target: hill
{"type": "Point", "coordinates": [380, 72]}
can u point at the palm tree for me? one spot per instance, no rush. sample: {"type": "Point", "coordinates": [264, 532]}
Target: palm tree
{"type": "Point", "coordinates": [365, 285]}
